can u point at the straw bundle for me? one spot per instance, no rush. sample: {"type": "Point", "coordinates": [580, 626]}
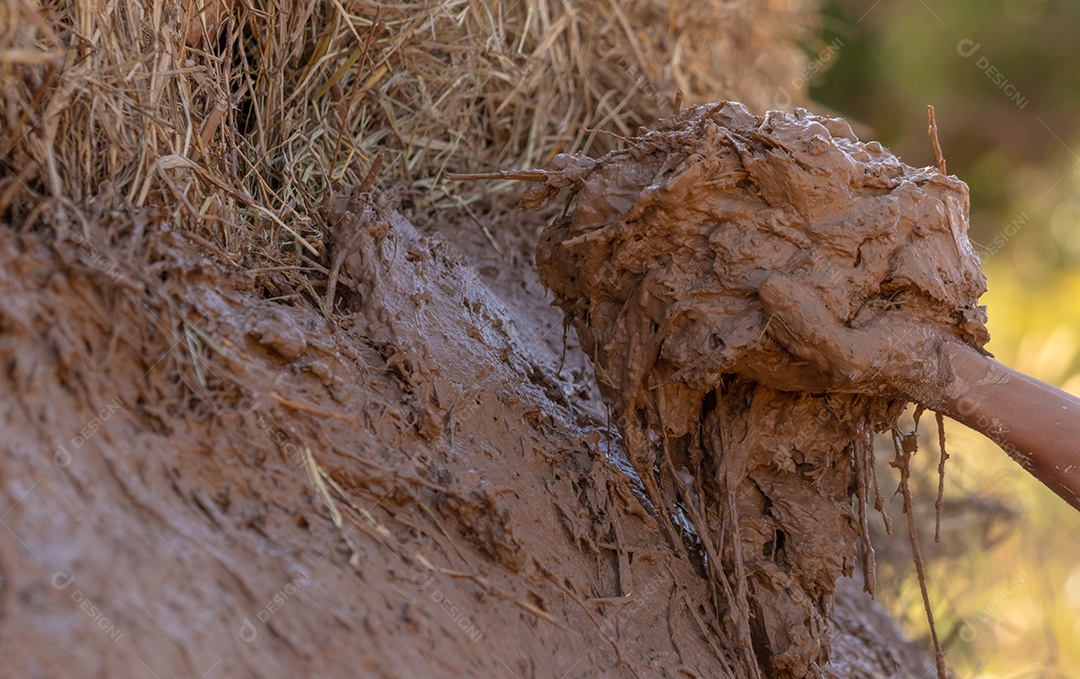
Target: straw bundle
{"type": "Point", "coordinates": [235, 119]}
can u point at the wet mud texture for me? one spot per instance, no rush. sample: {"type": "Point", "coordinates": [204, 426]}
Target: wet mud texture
{"type": "Point", "coordinates": [204, 476]}
{"type": "Point", "coordinates": [657, 262]}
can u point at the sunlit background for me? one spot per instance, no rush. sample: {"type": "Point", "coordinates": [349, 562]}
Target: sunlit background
{"type": "Point", "coordinates": [1004, 77]}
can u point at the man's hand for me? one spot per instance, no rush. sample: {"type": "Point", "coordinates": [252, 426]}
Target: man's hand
{"type": "Point", "coordinates": [892, 354]}
{"type": "Point", "coordinates": [1036, 424]}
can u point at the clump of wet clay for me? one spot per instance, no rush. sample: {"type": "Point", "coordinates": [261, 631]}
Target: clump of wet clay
{"type": "Point", "coordinates": [658, 261]}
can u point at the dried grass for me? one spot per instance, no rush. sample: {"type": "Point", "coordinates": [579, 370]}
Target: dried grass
{"type": "Point", "coordinates": [235, 128]}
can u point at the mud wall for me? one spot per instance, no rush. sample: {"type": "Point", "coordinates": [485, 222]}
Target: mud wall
{"type": "Point", "coordinates": [201, 480]}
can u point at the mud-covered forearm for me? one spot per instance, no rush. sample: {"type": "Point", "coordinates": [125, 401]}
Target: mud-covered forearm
{"type": "Point", "coordinates": [1036, 424]}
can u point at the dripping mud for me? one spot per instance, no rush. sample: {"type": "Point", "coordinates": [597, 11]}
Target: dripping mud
{"type": "Point", "coordinates": [662, 261]}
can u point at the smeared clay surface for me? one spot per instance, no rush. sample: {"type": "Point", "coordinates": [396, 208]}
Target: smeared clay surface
{"type": "Point", "coordinates": [661, 262]}
{"type": "Point", "coordinates": [166, 437]}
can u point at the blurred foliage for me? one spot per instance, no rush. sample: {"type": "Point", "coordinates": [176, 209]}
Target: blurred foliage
{"type": "Point", "coordinates": [1007, 112]}
{"type": "Point", "coordinates": [1004, 78]}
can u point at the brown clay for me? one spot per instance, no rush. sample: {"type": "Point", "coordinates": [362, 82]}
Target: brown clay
{"type": "Point", "coordinates": [663, 260]}
{"type": "Point", "coordinates": [201, 481]}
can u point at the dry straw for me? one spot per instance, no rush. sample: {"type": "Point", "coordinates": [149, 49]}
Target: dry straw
{"type": "Point", "coordinates": [235, 119]}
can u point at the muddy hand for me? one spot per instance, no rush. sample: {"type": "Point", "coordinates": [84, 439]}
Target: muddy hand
{"type": "Point", "coordinates": [894, 353]}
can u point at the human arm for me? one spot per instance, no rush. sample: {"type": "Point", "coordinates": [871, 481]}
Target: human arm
{"type": "Point", "coordinates": [1036, 424]}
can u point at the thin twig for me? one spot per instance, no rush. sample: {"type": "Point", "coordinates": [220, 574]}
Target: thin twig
{"type": "Point", "coordinates": [905, 446]}
{"type": "Point", "coordinates": [314, 410]}
{"type": "Point", "coordinates": [373, 173]}
{"type": "Point", "coordinates": [863, 472]}
{"type": "Point", "coordinates": [940, 502]}
{"type": "Point", "coordinates": [879, 499]}
{"type": "Point", "coordinates": [516, 175]}
{"type": "Point", "coordinates": [332, 279]}
{"type": "Point", "coordinates": [932, 130]}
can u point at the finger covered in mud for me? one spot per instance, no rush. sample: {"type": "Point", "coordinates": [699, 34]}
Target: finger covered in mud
{"type": "Point", "coordinates": [799, 321]}
{"type": "Point", "coordinates": [890, 353]}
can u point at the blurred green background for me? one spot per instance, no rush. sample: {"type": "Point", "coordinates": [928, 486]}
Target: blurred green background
{"type": "Point", "coordinates": [1004, 78]}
